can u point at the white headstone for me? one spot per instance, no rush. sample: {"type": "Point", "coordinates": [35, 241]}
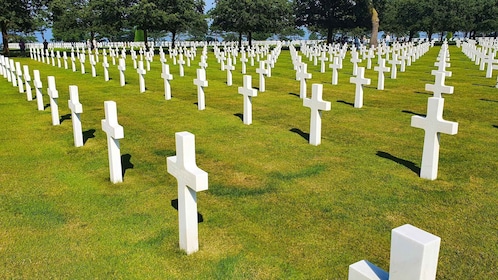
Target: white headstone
{"type": "Point", "coordinates": [262, 72]}
{"type": "Point", "coordinates": [53, 93]}
{"type": "Point", "coordinates": [76, 110]}
{"type": "Point", "coordinates": [201, 82]}
{"type": "Point", "coordinates": [181, 62]}
{"type": "Point", "coordinates": [20, 82]}
{"type": "Point", "coordinates": [355, 60]}
{"type": "Point", "coordinates": [229, 68]}
{"type": "Point", "coordinates": [248, 92]}
{"type": "Point", "coordinates": [166, 77]}
{"type": "Point", "coordinates": [27, 79]}
{"type": "Point", "coordinates": [122, 69]}
{"type": "Point", "coordinates": [359, 80]}
{"type": "Point", "coordinates": [191, 179]}
{"type": "Point", "coordinates": [13, 75]}
{"type": "Point", "coordinates": [141, 75]}
{"type": "Point", "coordinates": [414, 256]}
{"type": "Point", "coordinates": [302, 75]}
{"type": "Point", "coordinates": [439, 87]}
{"type": "Point", "coordinates": [336, 65]}
{"type": "Point", "coordinates": [114, 132]}
{"type": "Point", "coordinates": [82, 62]}
{"type": "Point", "coordinates": [105, 64]}
{"type": "Point", "coordinates": [93, 62]}
{"type": "Point", "coordinates": [381, 69]}
{"type": "Point", "coordinates": [433, 125]}
{"type": "Point", "coordinates": [38, 86]}
{"type": "Point", "coordinates": [317, 105]}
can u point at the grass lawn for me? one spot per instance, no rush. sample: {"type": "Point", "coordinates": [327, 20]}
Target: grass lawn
{"type": "Point", "coordinates": [277, 207]}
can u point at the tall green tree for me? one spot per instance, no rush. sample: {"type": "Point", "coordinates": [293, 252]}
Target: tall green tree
{"type": "Point", "coordinates": [247, 17]}
{"type": "Point", "coordinates": [17, 16]}
{"type": "Point", "coordinates": [331, 15]}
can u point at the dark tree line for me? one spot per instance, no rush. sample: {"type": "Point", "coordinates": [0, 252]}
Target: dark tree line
{"type": "Point", "coordinates": [116, 20]}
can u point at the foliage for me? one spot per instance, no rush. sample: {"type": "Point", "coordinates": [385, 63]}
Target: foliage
{"type": "Point", "coordinates": [251, 16]}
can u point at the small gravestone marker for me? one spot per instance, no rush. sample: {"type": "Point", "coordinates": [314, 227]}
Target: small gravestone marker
{"type": "Point", "coordinates": [355, 60]}
{"type": "Point", "coordinates": [394, 68]}
{"type": "Point", "coordinates": [323, 58]}
{"type": "Point", "coordinates": [191, 179]}
{"type": "Point", "coordinates": [64, 56]}
{"type": "Point", "coordinates": [317, 105]}
{"type": "Point", "coordinates": [38, 86]}
{"type": "Point", "coordinates": [181, 62]}
{"type": "Point", "coordinates": [76, 110]}
{"type": "Point", "coordinates": [13, 75]}
{"type": "Point", "coordinates": [262, 72]}
{"type": "Point", "coordinates": [203, 64]}
{"type": "Point", "coordinates": [439, 87]}
{"type": "Point", "coordinates": [243, 61]}
{"type": "Point", "coordinates": [20, 82]}
{"type": "Point", "coordinates": [53, 93]}
{"type": "Point", "coordinates": [122, 69]}
{"type": "Point", "coordinates": [359, 80]}
{"type": "Point", "coordinates": [248, 92]}
{"type": "Point", "coordinates": [302, 75]}
{"type": "Point", "coordinates": [433, 125]}
{"type": "Point", "coordinates": [201, 82]}
{"type": "Point", "coordinates": [82, 62]}
{"type": "Point", "coordinates": [93, 63]}
{"type": "Point", "coordinates": [73, 61]}
{"type": "Point", "coordinates": [414, 256]}
{"type": "Point", "coordinates": [167, 77]}
{"type": "Point", "coordinates": [59, 64]}
{"type": "Point", "coordinates": [27, 79]}
{"type": "Point", "coordinates": [381, 69]}
{"type": "Point", "coordinates": [141, 75]}
{"type": "Point", "coordinates": [114, 132]}
{"type": "Point", "coordinates": [105, 64]}
{"type": "Point", "coordinates": [229, 68]}
{"type": "Point", "coordinates": [336, 65]}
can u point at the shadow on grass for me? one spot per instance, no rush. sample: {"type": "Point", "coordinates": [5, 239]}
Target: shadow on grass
{"type": "Point", "coordinates": [87, 134]}
{"type": "Point", "coordinates": [345, 102]}
{"type": "Point", "coordinates": [240, 116]}
{"type": "Point", "coordinates": [424, 92]}
{"type": "Point", "coordinates": [301, 133]}
{"type": "Point", "coordinates": [413, 113]}
{"type": "Point", "coordinates": [126, 163]}
{"type": "Point", "coordinates": [410, 165]}
{"type": "Point", "coordinates": [65, 117]}
{"type": "Point", "coordinates": [495, 126]}
{"type": "Point", "coordinates": [174, 204]}
{"type": "Point", "coordinates": [481, 85]}
{"type": "Point", "coordinates": [295, 94]}
{"type": "Point", "coordinates": [488, 100]}
{"type": "Point", "coordinates": [46, 106]}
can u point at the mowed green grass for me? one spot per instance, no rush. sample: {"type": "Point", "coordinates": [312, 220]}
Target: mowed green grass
{"type": "Point", "coordinates": [277, 207]}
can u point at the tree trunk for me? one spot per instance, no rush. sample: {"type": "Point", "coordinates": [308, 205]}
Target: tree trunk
{"type": "Point", "coordinates": [375, 28]}
{"type": "Point", "coordinates": [249, 38]}
{"type": "Point", "coordinates": [5, 39]}
{"type": "Point", "coordinates": [410, 35]}
{"type": "Point", "coordinates": [329, 35]}
{"type": "Point", "coordinates": [173, 35]}
{"type": "Point", "coordinates": [240, 39]}
{"type": "Point", "coordinates": [145, 40]}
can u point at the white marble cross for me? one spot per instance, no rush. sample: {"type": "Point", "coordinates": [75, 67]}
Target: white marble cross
{"type": "Point", "coordinates": [394, 68]}
{"type": "Point", "coordinates": [414, 256]}
{"type": "Point", "coordinates": [191, 179]}
{"type": "Point", "coordinates": [201, 82]}
{"type": "Point", "coordinates": [38, 87]}
{"type": "Point", "coordinates": [122, 69]}
{"type": "Point", "coordinates": [82, 62]}
{"type": "Point", "coordinates": [73, 61]}
{"type": "Point", "coordinates": [141, 75]}
{"type": "Point", "coordinates": [370, 54]}
{"type": "Point", "coordinates": [76, 110]}
{"type": "Point", "coordinates": [93, 63]}
{"type": "Point", "coordinates": [229, 68]}
{"type": "Point", "coordinates": [20, 82]}
{"type": "Point", "coordinates": [381, 69]}
{"type": "Point", "coordinates": [490, 60]}
{"type": "Point", "coordinates": [203, 63]}
{"type": "Point", "coordinates": [302, 75]}
{"type": "Point", "coordinates": [336, 65]}
{"type": "Point", "coordinates": [323, 58]}
{"type": "Point", "coordinates": [262, 72]}
{"type": "Point", "coordinates": [13, 75]}
{"type": "Point", "coordinates": [441, 67]}
{"type": "Point", "coordinates": [105, 64]}
{"type": "Point", "coordinates": [317, 105]}
{"type": "Point", "coordinates": [355, 60]}
{"type": "Point", "coordinates": [53, 93]}
{"type": "Point", "coordinates": [438, 88]}
{"type": "Point", "coordinates": [64, 56]}
{"type": "Point", "coordinates": [59, 64]}
{"type": "Point", "coordinates": [433, 125]}
{"type": "Point", "coordinates": [359, 80]}
{"type": "Point", "coordinates": [27, 79]}
{"type": "Point", "coordinates": [114, 132]}
{"type": "Point", "coordinates": [243, 61]}
{"type": "Point", "coordinates": [181, 62]}
{"type": "Point", "coordinates": [166, 77]}
{"type": "Point", "coordinates": [248, 92]}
